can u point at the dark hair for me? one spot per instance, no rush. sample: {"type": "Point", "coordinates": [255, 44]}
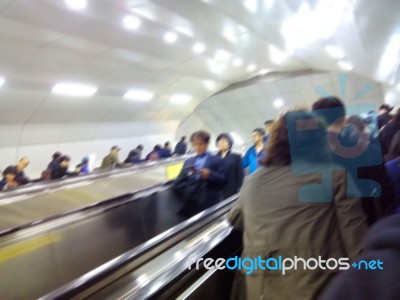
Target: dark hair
{"type": "Point", "coordinates": [260, 131]}
{"type": "Point", "coordinates": [203, 135]}
{"type": "Point", "coordinates": [329, 103]}
{"type": "Point", "coordinates": [386, 107]}
{"type": "Point", "coordinates": [166, 144]}
{"type": "Point", "coordinates": [157, 147]}
{"type": "Point", "coordinates": [227, 137]}
{"type": "Point", "coordinates": [56, 155]}
{"type": "Point", "coordinates": [10, 170]}
{"type": "Point", "coordinates": [268, 122]}
{"type": "Point", "coordinates": [64, 157]}
{"type": "Point", "coordinates": [396, 117]}
{"type": "Point", "coordinates": [140, 147]}
{"type": "Point", "coordinates": [302, 144]}
{"type": "Point", "coordinates": [183, 138]}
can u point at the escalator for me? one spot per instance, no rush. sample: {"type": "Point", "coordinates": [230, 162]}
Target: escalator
{"type": "Point", "coordinates": [159, 268]}
{"type": "Point", "coordinates": [43, 257]}
{"type": "Point", "coordinates": [30, 204]}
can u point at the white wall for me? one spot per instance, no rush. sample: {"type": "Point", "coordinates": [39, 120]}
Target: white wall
{"type": "Point", "coordinates": [40, 141]}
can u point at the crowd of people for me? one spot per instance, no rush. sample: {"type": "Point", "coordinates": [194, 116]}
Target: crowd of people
{"type": "Point", "coordinates": [14, 175]}
{"type": "Point", "coordinates": [303, 197]}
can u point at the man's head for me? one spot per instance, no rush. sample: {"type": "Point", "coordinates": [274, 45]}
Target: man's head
{"type": "Point", "coordinates": [167, 145]}
{"type": "Point", "coordinates": [200, 141]}
{"type": "Point", "coordinates": [140, 147]}
{"type": "Point", "coordinates": [258, 135]}
{"type": "Point", "coordinates": [22, 164]}
{"type": "Point", "coordinates": [115, 150]}
{"type": "Point", "coordinates": [224, 142]}
{"type": "Point", "coordinates": [183, 138]}
{"type": "Point", "coordinates": [56, 155]}
{"type": "Point", "coordinates": [9, 173]}
{"type": "Point", "coordinates": [267, 125]}
{"type": "Point", "coordinates": [384, 109]}
{"type": "Point", "coordinates": [64, 161]}
{"type": "Point", "coordinates": [332, 110]}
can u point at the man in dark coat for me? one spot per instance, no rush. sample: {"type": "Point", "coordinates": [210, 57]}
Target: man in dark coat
{"type": "Point", "coordinates": [232, 164]}
{"type": "Point", "coordinates": [201, 180]}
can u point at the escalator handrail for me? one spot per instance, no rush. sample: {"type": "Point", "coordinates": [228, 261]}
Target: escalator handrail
{"type": "Point", "coordinates": [97, 205]}
{"type": "Point", "coordinates": [113, 265]}
{"type": "Point", "coordinates": [42, 186]}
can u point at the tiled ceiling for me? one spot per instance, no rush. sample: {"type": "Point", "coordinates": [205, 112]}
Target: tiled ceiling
{"type": "Point", "coordinates": [44, 42]}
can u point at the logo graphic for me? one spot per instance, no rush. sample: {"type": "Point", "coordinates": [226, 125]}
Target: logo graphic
{"type": "Point", "coordinates": [324, 141]}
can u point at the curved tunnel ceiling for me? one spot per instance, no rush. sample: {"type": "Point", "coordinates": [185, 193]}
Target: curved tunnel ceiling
{"type": "Point", "coordinates": [45, 42]}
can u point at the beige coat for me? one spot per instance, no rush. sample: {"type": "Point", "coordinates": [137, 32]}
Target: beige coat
{"type": "Point", "coordinates": [277, 223]}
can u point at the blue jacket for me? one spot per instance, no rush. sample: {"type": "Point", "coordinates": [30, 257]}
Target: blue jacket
{"type": "Point", "coordinates": [251, 159]}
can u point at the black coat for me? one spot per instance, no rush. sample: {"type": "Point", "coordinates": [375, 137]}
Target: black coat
{"type": "Point", "coordinates": [233, 174]}
{"type": "Point", "coordinates": [199, 194]}
{"type": "Point", "coordinates": [381, 242]}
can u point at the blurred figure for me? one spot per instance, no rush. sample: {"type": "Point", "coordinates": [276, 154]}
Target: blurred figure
{"type": "Point", "coordinates": [277, 224]}
{"type": "Point", "coordinates": [384, 115]}
{"type": "Point", "coordinates": [154, 154]}
{"type": "Point", "coordinates": [54, 162]}
{"type": "Point", "coordinates": [166, 151]}
{"type": "Point", "coordinates": [199, 184]}
{"type": "Point", "coordinates": [255, 153]}
{"type": "Point", "coordinates": [8, 182]}
{"type": "Point", "coordinates": [134, 155]}
{"type": "Point", "coordinates": [83, 166]}
{"type": "Point", "coordinates": [375, 207]}
{"type": "Point", "coordinates": [111, 160]}
{"type": "Point", "coordinates": [181, 147]}
{"type": "Point", "coordinates": [381, 244]}
{"type": "Point", "coordinates": [61, 169]}
{"type": "Point", "coordinates": [267, 127]}
{"type": "Point", "coordinates": [393, 167]}
{"type": "Point", "coordinates": [388, 132]}
{"type": "Point", "coordinates": [232, 164]}
{"type": "Point", "coordinates": [20, 167]}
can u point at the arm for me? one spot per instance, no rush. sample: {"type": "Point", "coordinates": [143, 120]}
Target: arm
{"type": "Point", "coordinates": [350, 216]}
{"type": "Point", "coordinates": [240, 172]}
{"type": "Point", "coordinates": [235, 216]}
{"type": "Point", "coordinates": [217, 172]}
{"type": "Point", "coordinates": [246, 159]}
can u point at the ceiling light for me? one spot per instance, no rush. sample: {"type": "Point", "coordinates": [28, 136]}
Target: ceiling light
{"type": "Point", "coordinates": [334, 52]}
{"type": "Point", "coordinates": [230, 34]}
{"type": "Point", "coordinates": [184, 30]}
{"type": "Point", "coordinates": [131, 22]}
{"type": "Point", "coordinates": [75, 90]}
{"type": "Point", "coordinates": [264, 71]}
{"type": "Point", "coordinates": [198, 48]}
{"type": "Point", "coordinates": [180, 99]}
{"type": "Point", "coordinates": [237, 62]}
{"type": "Point", "coordinates": [2, 80]}
{"type": "Point", "coordinates": [222, 55]}
{"type": "Point", "coordinates": [345, 65]}
{"type": "Point", "coordinates": [170, 37]}
{"type": "Point", "coordinates": [251, 5]}
{"type": "Point", "coordinates": [217, 68]}
{"type": "Point", "coordinates": [277, 55]}
{"type": "Point", "coordinates": [139, 95]}
{"type": "Point", "coordinates": [209, 84]}
{"type": "Point", "coordinates": [251, 68]}
{"type": "Point", "coordinates": [278, 103]}
{"type": "Point", "coordinates": [76, 4]}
